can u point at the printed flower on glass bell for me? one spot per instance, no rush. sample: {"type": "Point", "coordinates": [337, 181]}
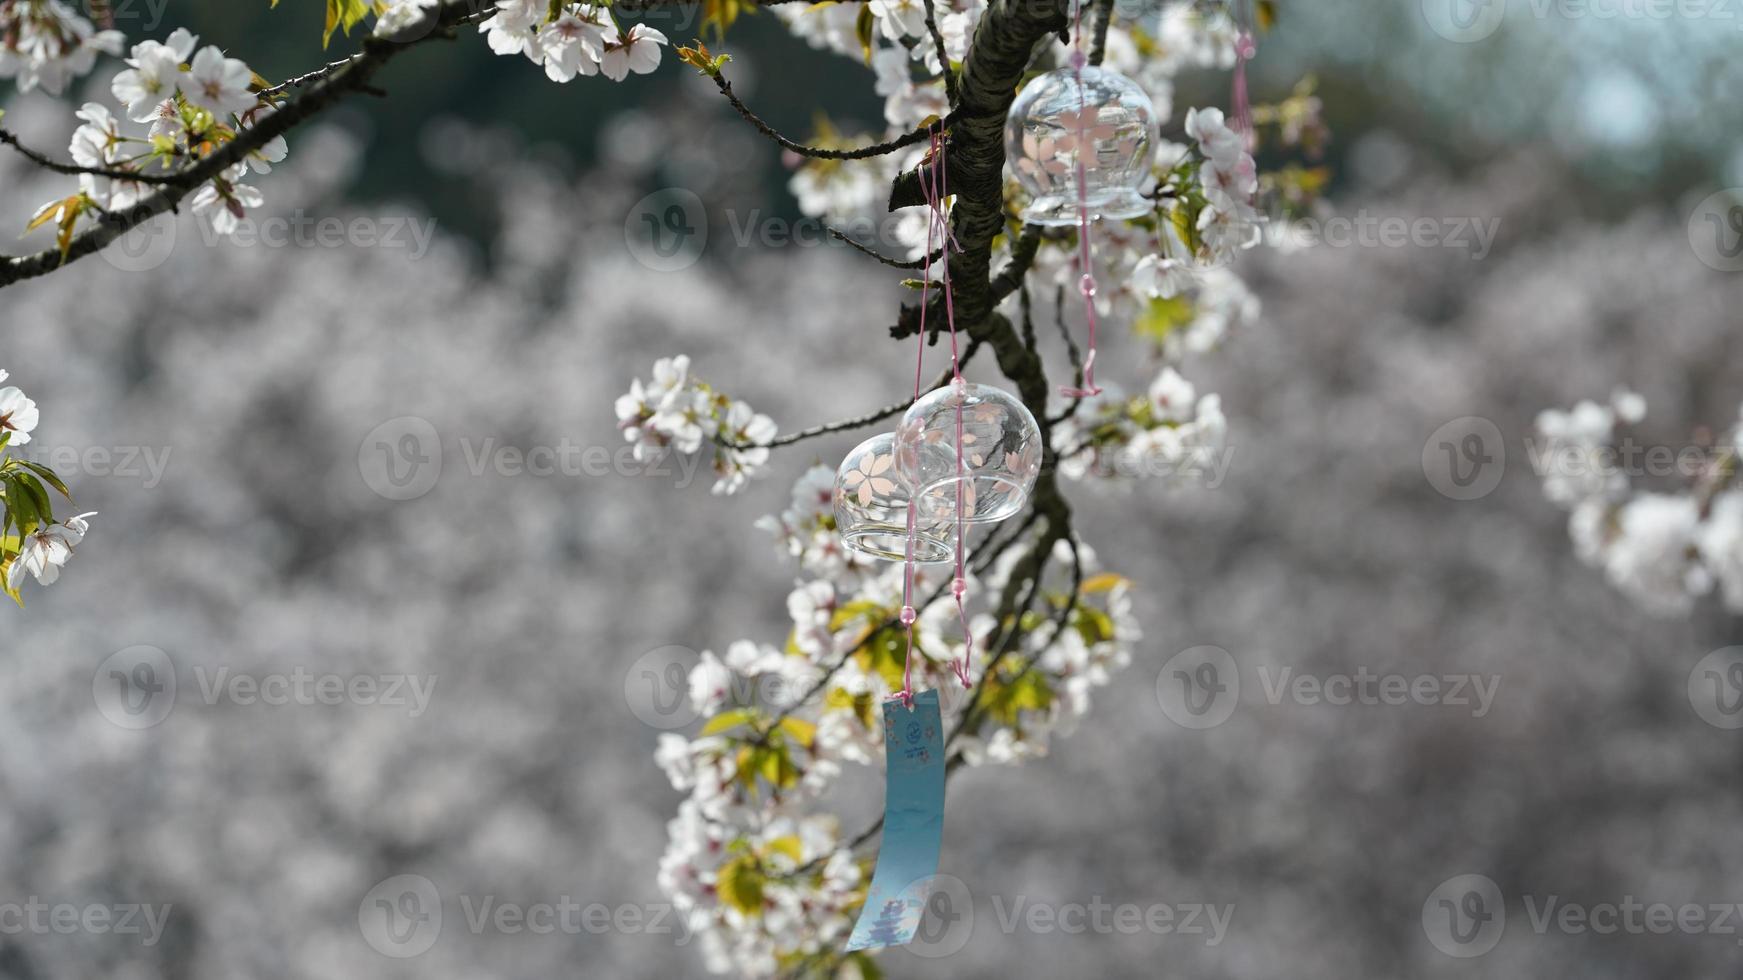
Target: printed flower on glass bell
{"type": "Point", "coordinates": [1001, 453]}
{"type": "Point", "coordinates": [1054, 118]}
{"type": "Point", "coordinates": [871, 506]}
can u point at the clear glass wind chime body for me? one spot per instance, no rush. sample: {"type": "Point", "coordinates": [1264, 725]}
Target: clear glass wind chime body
{"type": "Point", "coordinates": [1079, 140]}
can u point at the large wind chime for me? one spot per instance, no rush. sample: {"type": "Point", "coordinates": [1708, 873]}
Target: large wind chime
{"type": "Point", "coordinates": [1079, 141]}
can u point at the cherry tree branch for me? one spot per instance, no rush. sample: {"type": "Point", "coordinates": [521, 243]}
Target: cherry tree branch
{"type": "Point", "coordinates": [815, 152]}
{"type": "Point", "coordinates": [322, 93]}
{"type": "Point", "coordinates": [72, 169]}
{"type": "Point", "coordinates": [858, 421]}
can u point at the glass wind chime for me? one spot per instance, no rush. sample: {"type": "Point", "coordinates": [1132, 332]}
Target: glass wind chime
{"type": "Point", "coordinates": [962, 454]}
{"type": "Point", "coordinates": [1079, 140]}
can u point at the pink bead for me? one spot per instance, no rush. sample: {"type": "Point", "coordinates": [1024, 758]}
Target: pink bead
{"type": "Point", "coordinates": [958, 586]}
{"type": "Point", "coordinates": [908, 616]}
{"type": "Point", "coordinates": [1078, 60]}
{"type": "Point", "coordinates": [1086, 285]}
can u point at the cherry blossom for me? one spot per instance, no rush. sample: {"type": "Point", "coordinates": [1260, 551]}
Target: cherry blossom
{"type": "Point", "coordinates": [638, 51]}
{"type": "Point", "coordinates": [219, 84]}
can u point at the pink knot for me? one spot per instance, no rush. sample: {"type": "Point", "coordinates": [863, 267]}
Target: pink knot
{"type": "Point", "coordinates": [1078, 61]}
{"type": "Point", "coordinates": [961, 669]}
{"type": "Point", "coordinates": [958, 586]}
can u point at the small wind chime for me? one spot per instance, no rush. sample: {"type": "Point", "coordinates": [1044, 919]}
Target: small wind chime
{"type": "Point", "coordinates": [1079, 140]}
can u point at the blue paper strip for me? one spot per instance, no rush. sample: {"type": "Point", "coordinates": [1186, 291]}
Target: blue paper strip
{"type": "Point", "coordinates": [913, 825]}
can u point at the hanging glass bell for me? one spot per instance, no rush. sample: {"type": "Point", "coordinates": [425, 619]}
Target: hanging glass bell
{"type": "Point", "coordinates": [871, 506]}
{"type": "Point", "coordinates": [1001, 453]}
{"type": "Point", "coordinates": [1104, 122]}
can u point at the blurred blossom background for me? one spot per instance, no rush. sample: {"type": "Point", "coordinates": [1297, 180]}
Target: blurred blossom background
{"type": "Point", "coordinates": [266, 543]}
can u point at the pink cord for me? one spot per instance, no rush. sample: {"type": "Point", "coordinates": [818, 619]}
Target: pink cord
{"type": "Point", "coordinates": [906, 695]}
{"type": "Point", "coordinates": [1086, 279]}
{"type": "Point", "coordinates": [959, 585]}
{"type": "Point", "coordinates": [1245, 49]}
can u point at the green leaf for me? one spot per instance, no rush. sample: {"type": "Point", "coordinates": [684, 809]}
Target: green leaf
{"type": "Point", "coordinates": [1160, 317]}
{"type": "Point", "coordinates": [800, 730]}
{"type": "Point", "coordinates": [739, 884]}
{"type": "Point", "coordinates": [49, 475]}
{"type": "Point", "coordinates": [863, 28]}
{"type": "Point", "coordinates": [728, 720]}
{"type": "Point", "coordinates": [789, 845]}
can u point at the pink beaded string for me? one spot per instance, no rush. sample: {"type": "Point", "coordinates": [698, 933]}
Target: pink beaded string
{"type": "Point", "coordinates": [1245, 49]}
{"type": "Point", "coordinates": [1086, 277]}
{"type": "Point", "coordinates": [934, 196]}
{"type": "Point", "coordinates": [959, 584]}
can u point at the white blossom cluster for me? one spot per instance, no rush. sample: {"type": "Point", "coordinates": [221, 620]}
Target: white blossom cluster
{"type": "Point", "coordinates": [764, 881]}
{"type": "Point", "coordinates": [675, 412]}
{"type": "Point", "coordinates": [46, 44]}
{"type": "Point", "coordinates": [1664, 550]}
{"type": "Point", "coordinates": [571, 39]}
{"type": "Point", "coordinates": [783, 723]}
{"type": "Point", "coordinates": [45, 545]}
{"type": "Point", "coordinates": [179, 105]}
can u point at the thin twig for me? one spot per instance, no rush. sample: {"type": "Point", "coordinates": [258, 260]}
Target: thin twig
{"type": "Point", "coordinates": [858, 421]}
{"type": "Point", "coordinates": [943, 59]}
{"type": "Point", "coordinates": [817, 152]}
{"type": "Point", "coordinates": [73, 170]}
{"type": "Point", "coordinates": [1104, 15]}
{"type": "Point", "coordinates": [919, 263]}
